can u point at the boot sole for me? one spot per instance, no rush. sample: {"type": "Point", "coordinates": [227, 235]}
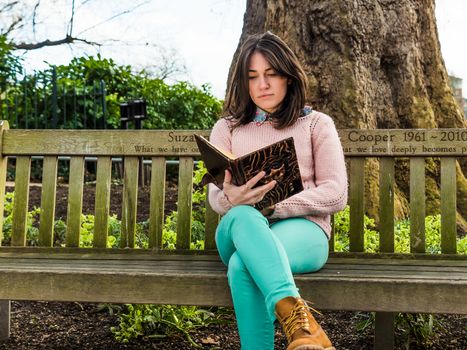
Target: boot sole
{"type": "Point", "coordinates": [313, 347]}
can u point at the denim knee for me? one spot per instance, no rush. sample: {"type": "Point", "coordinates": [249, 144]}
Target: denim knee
{"type": "Point", "coordinates": [244, 212]}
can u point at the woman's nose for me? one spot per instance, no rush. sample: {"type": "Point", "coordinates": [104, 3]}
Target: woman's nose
{"type": "Point", "coordinates": [264, 82]}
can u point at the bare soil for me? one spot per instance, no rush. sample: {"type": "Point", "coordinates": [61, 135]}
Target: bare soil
{"type": "Point", "coordinates": [58, 325]}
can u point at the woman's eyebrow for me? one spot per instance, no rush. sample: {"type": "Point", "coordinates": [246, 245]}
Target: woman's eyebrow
{"type": "Point", "coordinates": [254, 70]}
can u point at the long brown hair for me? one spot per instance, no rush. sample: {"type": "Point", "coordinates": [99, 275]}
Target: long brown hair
{"type": "Point", "coordinates": [240, 107]}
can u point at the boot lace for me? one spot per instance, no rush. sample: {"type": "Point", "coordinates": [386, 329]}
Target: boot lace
{"type": "Point", "coordinates": [298, 318]}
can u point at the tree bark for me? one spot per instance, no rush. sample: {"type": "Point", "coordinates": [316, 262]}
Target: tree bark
{"type": "Point", "coordinates": [371, 64]}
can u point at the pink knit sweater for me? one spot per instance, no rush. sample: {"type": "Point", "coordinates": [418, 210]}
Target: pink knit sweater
{"type": "Point", "coordinates": [320, 158]}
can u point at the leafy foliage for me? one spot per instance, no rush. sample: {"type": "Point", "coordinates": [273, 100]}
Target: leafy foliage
{"type": "Point", "coordinates": [421, 329]}
{"type": "Point", "coordinates": [32, 232]}
{"type": "Point", "coordinates": [88, 91]}
{"type": "Point", "coordinates": [169, 232]}
{"type": "Point", "coordinates": [10, 68]}
{"type": "Point", "coordinates": [159, 321]}
{"type": "Point", "coordinates": [10, 65]}
{"type": "Point", "coordinates": [401, 235]}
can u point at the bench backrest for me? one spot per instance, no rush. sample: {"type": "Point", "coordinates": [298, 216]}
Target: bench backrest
{"type": "Point", "coordinates": [158, 146]}
{"type": "Point", "coordinates": [416, 145]}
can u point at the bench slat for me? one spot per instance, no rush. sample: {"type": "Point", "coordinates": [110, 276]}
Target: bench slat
{"type": "Point", "coordinates": [3, 171]}
{"type": "Point", "coordinates": [448, 205]}
{"type": "Point", "coordinates": [20, 206]}
{"type": "Point", "coordinates": [102, 201]}
{"type": "Point", "coordinates": [129, 203]}
{"type": "Point", "coordinates": [403, 142]}
{"type": "Point", "coordinates": [417, 205]}
{"type": "Point", "coordinates": [185, 189]}
{"type": "Point", "coordinates": [157, 202]}
{"type": "Point", "coordinates": [75, 201]}
{"type": "Point", "coordinates": [212, 219]}
{"type": "Point", "coordinates": [368, 267]}
{"type": "Point", "coordinates": [372, 143]}
{"type": "Point", "coordinates": [48, 194]}
{"type": "Point", "coordinates": [379, 269]}
{"type": "Point", "coordinates": [144, 254]}
{"type": "Point", "coordinates": [356, 201]}
{"type": "Point", "coordinates": [102, 142]}
{"type": "Point", "coordinates": [386, 205]}
{"type": "Point", "coordinates": [374, 286]}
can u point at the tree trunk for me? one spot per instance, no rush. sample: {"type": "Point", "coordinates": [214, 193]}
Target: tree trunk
{"type": "Point", "coordinates": [371, 64]}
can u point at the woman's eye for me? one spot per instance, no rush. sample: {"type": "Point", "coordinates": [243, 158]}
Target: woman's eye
{"type": "Point", "coordinates": [252, 77]}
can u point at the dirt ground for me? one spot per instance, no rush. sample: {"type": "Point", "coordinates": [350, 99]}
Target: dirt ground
{"type": "Point", "coordinates": [70, 326]}
{"type": "Point", "coordinates": [53, 325]}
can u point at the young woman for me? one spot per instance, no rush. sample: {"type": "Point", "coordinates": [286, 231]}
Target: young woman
{"type": "Point", "coordinates": [266, 103]}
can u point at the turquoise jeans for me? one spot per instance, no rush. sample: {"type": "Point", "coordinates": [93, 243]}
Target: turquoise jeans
{"type": "Point", "coordinates": [261, 259]}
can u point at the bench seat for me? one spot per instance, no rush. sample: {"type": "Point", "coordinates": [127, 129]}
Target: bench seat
{"type": "Point", "coordinates": [345, 283]}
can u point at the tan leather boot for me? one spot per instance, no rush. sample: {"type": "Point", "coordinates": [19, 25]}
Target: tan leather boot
{"type": "Point", "coordinates": [300, 327]}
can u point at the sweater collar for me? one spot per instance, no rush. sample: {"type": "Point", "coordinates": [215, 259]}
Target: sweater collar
{"type": "Point", "coordinates": [261, 116]}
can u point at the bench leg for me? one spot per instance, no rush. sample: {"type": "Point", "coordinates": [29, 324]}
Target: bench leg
{"type": "Point", "coordinates": [4, 319]}
{"type": "Point", "coordinates": [384, 330]}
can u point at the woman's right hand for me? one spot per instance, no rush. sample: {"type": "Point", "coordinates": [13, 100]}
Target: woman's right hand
{"type": "Point", "coordinates": [246, 194]}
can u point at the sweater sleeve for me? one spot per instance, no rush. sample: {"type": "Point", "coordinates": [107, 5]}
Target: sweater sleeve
{"type": "Point", "coordinates": [329, 194]}
{"type": "Point", "coordinates": [222, 138]}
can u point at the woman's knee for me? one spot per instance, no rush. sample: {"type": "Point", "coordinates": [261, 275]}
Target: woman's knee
{"type": "Point", "coordinates": [244, 212]}
{"type": "Point", "coordinates": [305, 243]}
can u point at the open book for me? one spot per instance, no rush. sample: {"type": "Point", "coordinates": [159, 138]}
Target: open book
{"type": "Point", "coordinates": [278, 160]}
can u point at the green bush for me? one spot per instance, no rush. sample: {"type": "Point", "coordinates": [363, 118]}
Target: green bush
{"type": "Point", "coordinates": [79, 86]}
{"type": "Point", "coordinates": [401, 235]}
{"type": "Point", "coordinates": [32, 231]}
{"type": "Point", "coordinates": [420, 329]}
{"type": "Point", "coordinates": [169, 232]}
{"type": "Point", "coordinates": [159, 321]}
{"type": "Point", "coordinates": [10, 64]}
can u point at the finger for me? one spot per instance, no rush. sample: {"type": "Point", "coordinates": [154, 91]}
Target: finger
{"type": "Point", "coordinates": [227, 177]}
{"type": "Point", "coordinates": [262, 190]}
{"type": "Point", "coordinates": [252, 182]}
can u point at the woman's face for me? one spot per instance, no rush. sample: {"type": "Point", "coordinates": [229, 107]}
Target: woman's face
{"type": "Point", "coordinates": [266, 87]}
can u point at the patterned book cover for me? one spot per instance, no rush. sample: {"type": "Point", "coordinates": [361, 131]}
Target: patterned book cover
{"type": "Point", "coordinates": [278, 160]}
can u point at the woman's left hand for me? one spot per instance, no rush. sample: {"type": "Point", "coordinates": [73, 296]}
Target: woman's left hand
{"type": "Point", "coordinates": [246, 194]}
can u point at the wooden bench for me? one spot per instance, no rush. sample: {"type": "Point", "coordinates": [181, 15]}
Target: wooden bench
{"type": "Point", "coordinates": [385, 282]}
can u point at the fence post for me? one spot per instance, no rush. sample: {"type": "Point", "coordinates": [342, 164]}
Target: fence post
{"type": "Point", "coordinates": [54, 98]}
{"type": "Point", "coordinates": [36, 117]}
{"type": "Point", "coordinates": [64, 107]}
{"type": "Point", "coordinates": [25, 99]}
{"type": "Point", "coordinates": [104, 105]}
{"type": "Point", "coordinates": [84, 110]}
{"type": "Point", "coordinates": [94, 105]}
{"type": "Point", "coordinates": [75, 120]}
{"type": "Point", "coordinates": [44, 91]}
{"type": "Point", "coordinates": [3, 102]}
{"type": "Point", "coordinates": [16, 106]}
